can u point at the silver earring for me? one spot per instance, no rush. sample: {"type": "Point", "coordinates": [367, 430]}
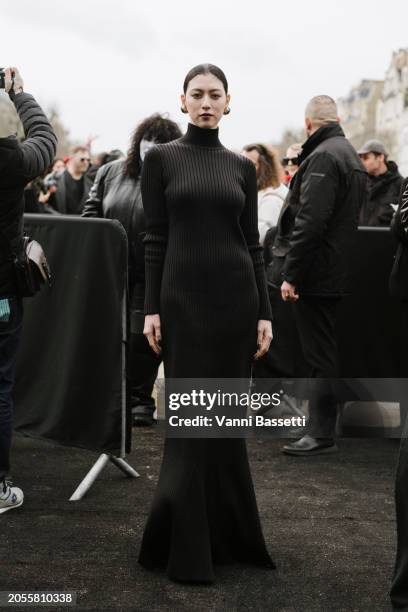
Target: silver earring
{"type": "Point", "coordinates": [227, 111]}
{"type": "Point", "coordinates": [183, 109]}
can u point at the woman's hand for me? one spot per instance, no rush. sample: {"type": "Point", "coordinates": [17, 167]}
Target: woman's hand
{"type": "Point", "coordinates": [152, 332]}
{"type": "Point", "coordinates": [264, 337]}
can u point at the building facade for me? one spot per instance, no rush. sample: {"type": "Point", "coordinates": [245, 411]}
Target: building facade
{"type": "Point", "coordinates": [379, 109]}
{"type": "Point", "coordinates": [392, 110]}
{"type": "Point", "coordinates": [358, 111]}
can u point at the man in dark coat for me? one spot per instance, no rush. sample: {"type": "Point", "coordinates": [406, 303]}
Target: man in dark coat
{"type": "Point", "coordinates": [383, 185]}
{"type": "Point", "coordinates": [309, 264]}
{"type": "Point", "coordinates": [19, 164]}
{"type": "Point", "coordinates": [73, 184]}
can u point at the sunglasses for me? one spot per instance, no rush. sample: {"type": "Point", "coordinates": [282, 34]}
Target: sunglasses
{"type": "Point", "coordinates": [287, 161]}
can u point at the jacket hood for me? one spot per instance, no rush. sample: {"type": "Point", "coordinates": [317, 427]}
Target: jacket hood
{"type": "Point", "coordinates": [392, 168]}
{"type": "Point", "coordinates": [390, 176]}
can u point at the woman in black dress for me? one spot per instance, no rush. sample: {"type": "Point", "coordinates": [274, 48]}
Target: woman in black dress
{"type": "Point", "coordinates": [207, 305]}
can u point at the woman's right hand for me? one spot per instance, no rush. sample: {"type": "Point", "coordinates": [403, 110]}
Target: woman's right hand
{"type": "Point", "coordinates": [152, 332]}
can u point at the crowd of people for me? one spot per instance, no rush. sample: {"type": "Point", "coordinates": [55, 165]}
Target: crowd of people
{"type": "Point", "coordinates": [299, 212]}
{"type": "Point", "coordinates": [107, 185]}
{"type": "Point", "coordinates": [65, 185]}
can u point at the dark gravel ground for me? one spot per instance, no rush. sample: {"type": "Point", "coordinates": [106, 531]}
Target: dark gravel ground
{"type": "Point", "coordinates": [328, 521]}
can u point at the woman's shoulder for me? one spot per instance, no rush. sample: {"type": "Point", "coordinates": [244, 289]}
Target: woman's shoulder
{"type": "Point", "coordinates": [277, 192]}
{"type": "Point", "coordinates": [161, 150]}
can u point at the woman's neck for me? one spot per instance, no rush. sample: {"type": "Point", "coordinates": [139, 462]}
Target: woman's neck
{"type": "Point", "coordinates": [204, 137]}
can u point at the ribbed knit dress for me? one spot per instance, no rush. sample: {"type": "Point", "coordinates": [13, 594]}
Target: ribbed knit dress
{"type": "Point", "coordinates": [206, 279]}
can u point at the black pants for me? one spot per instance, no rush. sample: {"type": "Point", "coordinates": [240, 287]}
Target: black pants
{"type": "Point", "coordinates": [10, 332]}
{"type": "Point", "coordinates": [315, 320]}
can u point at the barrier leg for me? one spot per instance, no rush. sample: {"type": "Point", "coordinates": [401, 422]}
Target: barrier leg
{"type": "Point", "coordinates": [90, 478]}
{"type": "Point", "coordinates": [96, 469]}
{"type": "Point", "coordinates": [124, 466]}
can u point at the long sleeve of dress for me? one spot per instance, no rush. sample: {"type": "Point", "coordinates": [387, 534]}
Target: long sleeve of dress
{"type": "Point", "coordinates": [155, 240]}
{"type": "Point", "coordinates": [249, 225]}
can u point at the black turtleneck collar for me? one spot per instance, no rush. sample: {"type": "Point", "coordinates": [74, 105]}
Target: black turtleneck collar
{"type": "Point", "coordinates": [202, 137]}
{"type": "Point", "coordinates": [323, 133]}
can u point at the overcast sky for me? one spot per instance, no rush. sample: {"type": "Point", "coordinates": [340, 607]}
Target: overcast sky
{"type": "Point", "coordinates": [108, 64]}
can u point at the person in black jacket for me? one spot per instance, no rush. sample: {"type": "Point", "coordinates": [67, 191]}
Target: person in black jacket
{"type": "Point", "coordinates": [72, 185]}
{"type": "Point", "coordinates": [383, 185]}
{"type": "Point", "coordinates": [19, 164]}
{"type": "Point", "coordinates": [309, 264]}
{"type": "Point", "coordinates": [116, 195]}
{"type": "Point", "coordinates": [399, 289]}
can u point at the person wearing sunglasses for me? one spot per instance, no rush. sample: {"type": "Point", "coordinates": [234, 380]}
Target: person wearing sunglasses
{"type": "Point", "coordinates": [73, 184]}
{"type": "Point", "coordinates": [290, 163]}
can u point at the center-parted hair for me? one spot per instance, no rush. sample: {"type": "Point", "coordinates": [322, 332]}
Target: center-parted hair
{"type": "Point", "coordinates": [205, 69]}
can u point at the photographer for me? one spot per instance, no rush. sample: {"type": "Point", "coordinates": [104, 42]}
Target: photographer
{"type": "Point", "coordinates": [20, 163]}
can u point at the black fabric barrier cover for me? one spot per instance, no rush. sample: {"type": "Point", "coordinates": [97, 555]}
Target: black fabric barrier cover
{"type": "Point", "coordinates": [372, 335]}
{"type": "Point", "coordinates": [70, 384]}
{"type": "Point", "coordinates": [70, 378]}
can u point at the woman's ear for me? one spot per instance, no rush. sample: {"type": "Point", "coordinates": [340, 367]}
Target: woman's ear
{"type": "Point", "coordinates": [183, 103]}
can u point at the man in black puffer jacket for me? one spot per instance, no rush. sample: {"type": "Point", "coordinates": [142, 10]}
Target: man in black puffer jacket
{"type": "Point", "coordinates": [19, 164]}
{"type": "Point", "coordinates": [309, 266]}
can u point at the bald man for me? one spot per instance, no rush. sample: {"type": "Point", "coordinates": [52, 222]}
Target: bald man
{"type": "Point", "coordinates": [318, 219]}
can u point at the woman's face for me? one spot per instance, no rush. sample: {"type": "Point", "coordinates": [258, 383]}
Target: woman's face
{"type": "Point", "coordinates": [205, 100]}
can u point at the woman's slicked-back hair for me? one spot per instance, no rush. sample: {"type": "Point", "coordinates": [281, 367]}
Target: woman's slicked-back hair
{"type": "Point", "coordinates": [154, 128]}
{"type": "Point", "coordinates": [270, 171]}
{"type": "Point", "coordinates": [205, 69]}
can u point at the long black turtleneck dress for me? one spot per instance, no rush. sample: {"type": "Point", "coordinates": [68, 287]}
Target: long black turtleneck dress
{"type": "Point", "coordinates": [205, 277]}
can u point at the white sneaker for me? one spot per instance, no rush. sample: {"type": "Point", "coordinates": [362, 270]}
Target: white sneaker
{"type": "Point", "coordinates": [10, 497]}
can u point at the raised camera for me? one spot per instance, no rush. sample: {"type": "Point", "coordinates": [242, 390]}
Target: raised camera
{"type": "Point", "coordinates": [2, 79]}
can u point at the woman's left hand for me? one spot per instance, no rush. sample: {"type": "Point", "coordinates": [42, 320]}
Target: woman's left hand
{"type": "Point", "coordinates": [264, 337]}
